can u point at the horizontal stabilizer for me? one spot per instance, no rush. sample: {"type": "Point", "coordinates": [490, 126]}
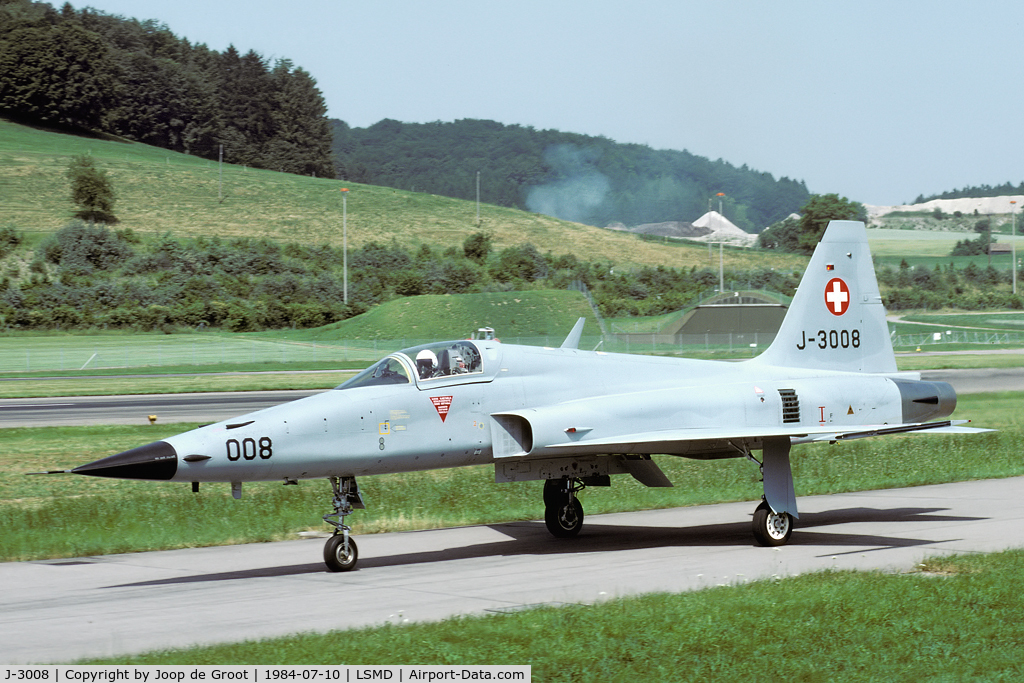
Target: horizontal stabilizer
{"type": "Point", "coordinates": [944, 427]}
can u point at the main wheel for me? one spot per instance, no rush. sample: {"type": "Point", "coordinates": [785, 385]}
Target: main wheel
{"type": "Point", "coordinates": [336, 557]}
{"type": "Point", "coordinates": [771, 529]}
{"type": "Point", "coordinates": [564, 520]}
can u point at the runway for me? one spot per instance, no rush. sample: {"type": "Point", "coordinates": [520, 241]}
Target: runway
{"type": "Point", "coordinates": [61, 610]}
{"type": "Point", "coordinates": [66, 411]}
{"type": "Point", "coordinates": [217, 406]}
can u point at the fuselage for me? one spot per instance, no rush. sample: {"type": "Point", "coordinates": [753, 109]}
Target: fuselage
{"type": "Point", "coordinates": [488, 401]}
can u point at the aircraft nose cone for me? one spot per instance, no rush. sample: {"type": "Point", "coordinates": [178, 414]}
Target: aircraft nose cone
{"type": "Point", "coordinates": [156, 461]}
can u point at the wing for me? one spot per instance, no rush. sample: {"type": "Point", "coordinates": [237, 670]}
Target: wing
{"type": "Point", "coordinates": [518, 438]}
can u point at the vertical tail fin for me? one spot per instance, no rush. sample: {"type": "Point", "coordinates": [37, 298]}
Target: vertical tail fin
{"type": "Point", "coordinates": [836, 320]}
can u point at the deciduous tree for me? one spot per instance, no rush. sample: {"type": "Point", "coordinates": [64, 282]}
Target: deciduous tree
{"type": "Point", "coordinates": [818, 211]}
{"type": "Point", "coordinates": [91, 190]}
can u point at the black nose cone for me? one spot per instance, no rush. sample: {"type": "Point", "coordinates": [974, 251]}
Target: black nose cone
{"type": "Point", "coordinates": [156, 461]}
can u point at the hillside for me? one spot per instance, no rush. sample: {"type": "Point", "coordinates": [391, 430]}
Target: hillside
{"type": "Point", "coordinates": [1003, 204]}
{"type": "Point", "coordinates": [428, 317]}
{"type": "Point", "coordinates": [575, 177]}
{"type": "Point", "coordinates": [159, 191]}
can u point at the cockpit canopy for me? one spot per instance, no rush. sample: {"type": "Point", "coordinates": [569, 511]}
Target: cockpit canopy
{"type": "Point", "coordinates": [427, 362]}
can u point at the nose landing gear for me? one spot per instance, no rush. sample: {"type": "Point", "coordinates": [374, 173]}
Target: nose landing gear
{"type": "Point", "coordinates": [340, 551]}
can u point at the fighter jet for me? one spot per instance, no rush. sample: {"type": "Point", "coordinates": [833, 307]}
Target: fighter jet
{"type": "Point", "coordinates": [573, 418]}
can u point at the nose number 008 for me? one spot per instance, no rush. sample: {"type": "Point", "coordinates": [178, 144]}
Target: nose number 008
{"type": "Point", "coordinates": [249, 448]}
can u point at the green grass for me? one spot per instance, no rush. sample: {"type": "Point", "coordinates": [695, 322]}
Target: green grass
{"type": "Point", "coordinates": [541, 317]}
{"type": "Point", "coordinates": [160, 191]}
{"type": "Point", "coordinates": [420, 319]}
{"type": "Point", "coordinates": [991, 320]}
{"type": "Point", "coordinates": [25, 353]}
{"type": "Point", "coordinates": [294, 379]}
{"type": "Point", "coordinates": [942, 361]}
{"type": "Point", "coordinates": [67, 516]}
{"type": "Point", "coordinates": [926, 248]}
{"type": "Point", "coordinates": [956, 620]}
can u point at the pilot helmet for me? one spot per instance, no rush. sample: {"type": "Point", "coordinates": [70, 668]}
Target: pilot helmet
{"type": "Point", "coordinates": [426, 363]}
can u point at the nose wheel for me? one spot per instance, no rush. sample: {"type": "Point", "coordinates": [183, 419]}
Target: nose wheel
{"type": "Point", "coordinates": [340, 551]}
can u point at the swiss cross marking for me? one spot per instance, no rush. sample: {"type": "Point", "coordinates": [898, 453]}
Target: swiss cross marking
{"type": "Point", "coordinates": [837, 296]}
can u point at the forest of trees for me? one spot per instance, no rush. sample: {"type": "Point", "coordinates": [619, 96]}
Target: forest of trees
{"type": "Point", "coordinates": [975, 191]}
{"type": "Point", "coordinates": [92, 71]}
{"type": "Point", "coordinates": [582, 178]}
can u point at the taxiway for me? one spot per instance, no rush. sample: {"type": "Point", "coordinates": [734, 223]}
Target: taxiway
{"type": "Point", "coordinates": [63, 610]}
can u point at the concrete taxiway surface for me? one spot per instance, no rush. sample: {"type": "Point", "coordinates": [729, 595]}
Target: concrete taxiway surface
{"type": "Point", "coordinates": [62, 610]}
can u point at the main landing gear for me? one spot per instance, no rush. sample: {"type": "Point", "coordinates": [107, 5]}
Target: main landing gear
{"type": "Point", "coordinates": [563, 512]}
{"type": "Point", "coordinates": [771, 528]}
{"type": "Point", "coordinates": [773, 518]}
{"type": "Point", "coordinates": [340, 551]}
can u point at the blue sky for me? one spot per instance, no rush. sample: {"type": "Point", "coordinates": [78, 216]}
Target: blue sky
{"type": "Point", "coordinates": [877, 101]}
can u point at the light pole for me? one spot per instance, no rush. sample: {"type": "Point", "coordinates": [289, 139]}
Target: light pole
{"type": "Point", "coordinates": [1013, 242]}
{"type": "Point", "coordinates": [344, 243]}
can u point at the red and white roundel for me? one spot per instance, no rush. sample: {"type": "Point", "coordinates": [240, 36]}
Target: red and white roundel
{"type": "Point", "coordinates": [837, 296]}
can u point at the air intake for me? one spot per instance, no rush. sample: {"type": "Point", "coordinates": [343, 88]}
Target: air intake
{"type": "Point", "coordinates": [790, 406]}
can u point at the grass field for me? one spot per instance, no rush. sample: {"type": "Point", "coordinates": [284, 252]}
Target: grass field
{"type": "Point", "coordinates": [540, 317]}
{"type": "Point", "coordinates": [926, 248]}
{"type": "Point", "coordinates": [25, 354]}
{"type": "Point", "coordinates": [985, 319]}
{"type": "Point", "coordinates": [160, 191]}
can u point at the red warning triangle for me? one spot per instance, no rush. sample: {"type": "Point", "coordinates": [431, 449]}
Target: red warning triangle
{"type": "Point", "coordinates": [442, 404]}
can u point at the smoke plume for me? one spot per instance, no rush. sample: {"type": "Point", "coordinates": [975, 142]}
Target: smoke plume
{"type": "Point", "coordinates": [579, 189]}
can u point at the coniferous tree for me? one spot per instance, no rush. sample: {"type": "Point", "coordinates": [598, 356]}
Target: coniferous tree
{"type": "Point", "coordinates": [87, 69]}
{"type": "Point", "coordinates": [58, 74]}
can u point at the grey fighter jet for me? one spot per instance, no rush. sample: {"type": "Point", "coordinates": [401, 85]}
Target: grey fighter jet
{"type": "Point", "coordinates": [573, 418]}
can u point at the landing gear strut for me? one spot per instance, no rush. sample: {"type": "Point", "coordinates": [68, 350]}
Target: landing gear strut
{"type": "Point", "coordinates": [563, 512]}
{"type": "Point", "coordinates": [340, 551]}
{"type": "Point", "coordinates": [773, 518]}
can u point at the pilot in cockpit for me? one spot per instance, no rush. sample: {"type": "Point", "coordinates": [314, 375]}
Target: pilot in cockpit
{"type": "Point", "coordinates": [426, 363]}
